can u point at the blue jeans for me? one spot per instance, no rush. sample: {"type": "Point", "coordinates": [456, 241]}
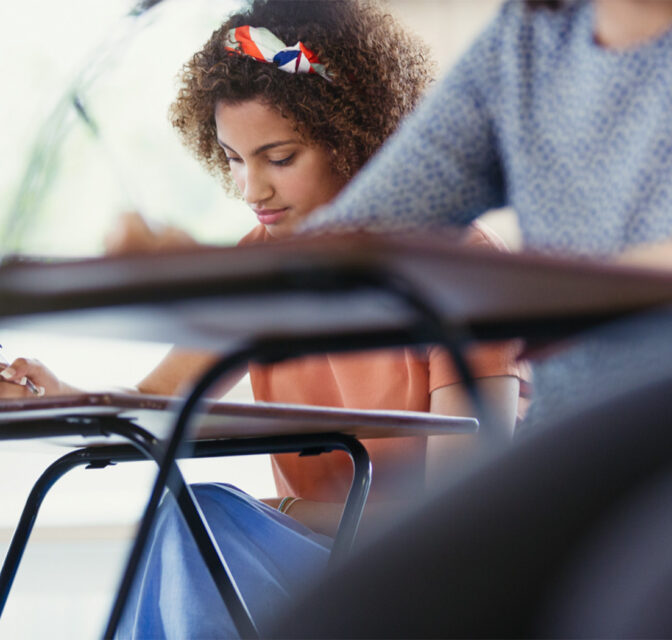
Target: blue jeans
{"type": "Point", "coordinates": [271, 556]}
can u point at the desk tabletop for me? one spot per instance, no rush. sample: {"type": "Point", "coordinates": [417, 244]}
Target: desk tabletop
{"type": "Point", "coordinates": [32, 419]}
{"type": "Point", "coordinates": [304, 285]}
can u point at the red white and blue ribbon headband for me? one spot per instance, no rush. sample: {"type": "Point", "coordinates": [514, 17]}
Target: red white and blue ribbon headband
{"type": "Point", "coordinates": [260, 44]}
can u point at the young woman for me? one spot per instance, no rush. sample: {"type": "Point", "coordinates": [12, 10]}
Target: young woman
{"type": "Point", "coordinates": [285, 102]}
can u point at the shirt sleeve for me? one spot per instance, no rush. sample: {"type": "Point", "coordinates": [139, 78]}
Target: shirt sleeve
{"type": "Point", "coordinates": [484, 360]}
{"type": "Point", "coordinates": [442, 167]}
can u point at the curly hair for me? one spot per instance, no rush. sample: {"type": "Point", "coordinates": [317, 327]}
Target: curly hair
{"type": "Point", "coordinates": [378, 73]}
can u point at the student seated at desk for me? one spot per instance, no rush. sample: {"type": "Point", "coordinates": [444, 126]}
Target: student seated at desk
{"type": "Point", "coordinates": [288, 125]}
{"type": "Point", "coordinates": [539, 115]}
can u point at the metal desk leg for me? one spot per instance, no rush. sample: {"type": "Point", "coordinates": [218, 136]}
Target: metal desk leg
{"type": "Point", "coordinates": [183, 495]}
{"type": "Point", "coordinates": [201, 533]}
{"type": "Point", "coordinates": [355, 502]}
{"type": "Point", "coordinates": [172, 478]}
{"type": "Point", "coordinates": [205, 540]}
{"type": "Point", "coordinates": [148, 448]}
{"type": "Point", "coordinates": [185, 499]}
{"type": "Point", "coordinates": [202, 536]}
{"type": "Point", "coordinates": [100, 457]}
{"type": "Point", "coordinates": [312, 444]}
{"type": "Point", "coordinates": [20, 538]}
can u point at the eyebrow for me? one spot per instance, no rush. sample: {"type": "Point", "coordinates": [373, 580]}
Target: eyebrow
{"type": "Point", "coordinates": [258, 150]}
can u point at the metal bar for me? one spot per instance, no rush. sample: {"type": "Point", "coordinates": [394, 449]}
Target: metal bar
{"type": "Point", "coordinates": [239, 612]}
{"type": "Point", "coordinates": [197, 523]}
{"type": "Point", "coordinates": [245, 446]}
{"type": "Point", "coordinates": [27, 521]}
{"type": "Point", "coordinates": [47, 480]}
{"type": "Point", "coordinates": [147, 447]}
{"type": "Point", "coordinates": [200, 531]}
{"type": "Point", "coordinates": [355, 502]}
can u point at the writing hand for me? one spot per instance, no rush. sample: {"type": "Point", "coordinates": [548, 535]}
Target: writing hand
{"type": "Point", "coordinates": [26, 378]}
{"type": "Point", "coordinates": [133, 234]}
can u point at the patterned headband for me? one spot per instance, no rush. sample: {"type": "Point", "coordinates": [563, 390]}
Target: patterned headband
{"type": "Point", "coordinates": [261, 44]}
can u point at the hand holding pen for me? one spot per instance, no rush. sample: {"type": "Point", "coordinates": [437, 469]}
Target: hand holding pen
{"type": "Point", "coordinates": [9, 374]}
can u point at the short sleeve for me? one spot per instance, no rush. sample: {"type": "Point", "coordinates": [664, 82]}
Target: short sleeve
{"type": "Point", "coordinates": [484, 360]}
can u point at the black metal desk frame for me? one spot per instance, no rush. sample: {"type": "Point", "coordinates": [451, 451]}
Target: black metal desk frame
{"type": "Point", "coordinates": [428, 328]}
{"type": "Point", "coordinates": [324, 272]}
{"type": "Point", "coordinates": [147, 447]}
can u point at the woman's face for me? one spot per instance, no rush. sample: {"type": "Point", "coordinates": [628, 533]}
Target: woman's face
{"type": "Point", "coordinates": [281, 177]}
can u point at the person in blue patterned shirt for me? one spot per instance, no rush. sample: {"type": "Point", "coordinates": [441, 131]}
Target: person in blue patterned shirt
{"type": "Point", "coordinates": [560, 113]}
{"type": "Point", "coordinates": [559, 110]}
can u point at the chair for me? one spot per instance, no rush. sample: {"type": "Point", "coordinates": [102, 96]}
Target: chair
{"type": "Point", "coordinates": [565, 534]}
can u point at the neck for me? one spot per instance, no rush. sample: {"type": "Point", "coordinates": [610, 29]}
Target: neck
{"type": "Point", "coordinates": [620, 24]}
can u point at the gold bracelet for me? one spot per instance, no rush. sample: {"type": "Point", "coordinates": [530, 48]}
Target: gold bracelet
{"type": "Point", "coordinates": [283, 503]}
{"type": "Point", "coordinates": [287, 503]}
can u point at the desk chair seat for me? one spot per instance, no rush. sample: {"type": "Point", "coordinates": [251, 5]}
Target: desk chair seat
{"type": "Point", "coordinates": [490, 554]}
{"type": "Point", "coordinates": [621, 583]}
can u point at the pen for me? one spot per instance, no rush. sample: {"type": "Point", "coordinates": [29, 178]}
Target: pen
{"type": "Point", "coordinates": [25, 381]}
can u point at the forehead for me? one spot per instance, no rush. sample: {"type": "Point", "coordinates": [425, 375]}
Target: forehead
{"type": "Point", "coordinates": [250, 124]}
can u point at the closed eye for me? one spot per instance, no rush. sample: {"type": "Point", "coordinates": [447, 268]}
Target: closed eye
{"type": "Point", "coordinates": [231, 159]}
{"type": "Point", "coordinates": [284, 161]}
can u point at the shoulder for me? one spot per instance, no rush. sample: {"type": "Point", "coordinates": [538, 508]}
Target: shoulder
{"type": "Point", "coordinates": [529, 35]}
{"type": "Point", "coordinates": [258, 235]}
{"type": "Point", "coordinates": [517, 14]}
{"type": "Point", "coordinates": [544, 31]}
{"type": "Point", "coordinates": [517, 38]}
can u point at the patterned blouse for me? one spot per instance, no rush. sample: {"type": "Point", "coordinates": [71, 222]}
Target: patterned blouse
{"type": "Point", "coordinates": [575, 137]}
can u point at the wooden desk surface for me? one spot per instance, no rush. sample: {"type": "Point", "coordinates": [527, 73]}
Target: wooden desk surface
{"type": "Point", "coordinates": [156, 414]}
{"type": "Point", "coordinates": [297, 287]}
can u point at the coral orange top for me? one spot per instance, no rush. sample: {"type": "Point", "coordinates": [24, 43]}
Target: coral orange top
{"type": "Point", "coordinates": [399, 379]}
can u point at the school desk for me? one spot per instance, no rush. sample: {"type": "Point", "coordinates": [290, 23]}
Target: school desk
{"type": "Point", "coordinates": [99, 427]}
{"type": "Point", "coordinates": [312, 295]}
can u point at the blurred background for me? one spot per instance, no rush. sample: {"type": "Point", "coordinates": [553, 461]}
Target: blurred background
{"type": "Point", "coordinates": [85, 136]}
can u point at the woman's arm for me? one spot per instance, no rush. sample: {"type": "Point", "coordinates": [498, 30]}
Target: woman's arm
{"type": "Point", "coordinates": [657, 255]}
{"type": "Point", "coordinates": [180, 369]}
{"type": "Point", "coordinates": [174, 375]}
{"type": "Point", "coordinates": [500, 393]}
{"type": "Point", "coordinates": [131, 233]}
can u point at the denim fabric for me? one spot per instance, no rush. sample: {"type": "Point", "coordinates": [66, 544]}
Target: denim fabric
{"type": "Point", "coordinates": [270, 555]}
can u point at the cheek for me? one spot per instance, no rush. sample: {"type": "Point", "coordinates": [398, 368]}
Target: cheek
{"type": "Point", "coordinates": [313, 194]}
{"type": "Point", "coordinates": [300, 187]}
{"type": "Point", "coordinates": [314, 188]}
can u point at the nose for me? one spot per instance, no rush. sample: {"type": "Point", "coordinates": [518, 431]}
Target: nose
{"type": "Point", "coordinates": [257, 188]}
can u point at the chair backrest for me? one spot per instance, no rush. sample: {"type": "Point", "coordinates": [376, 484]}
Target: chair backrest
{"type": "Point", "coordinates": [620, 584]}
{"type": "Point", "coordinates": [488, 556]}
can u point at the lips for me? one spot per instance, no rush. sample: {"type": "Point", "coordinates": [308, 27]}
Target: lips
{"type": "Point", "coordinates": [270, 216]}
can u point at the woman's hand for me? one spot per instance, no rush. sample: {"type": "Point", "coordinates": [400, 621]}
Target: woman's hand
{"type": "Point", "coordinates": [321, 517]}
{"type": "Point", "coordinates": [132, 234]}
{"type": "Point", "coordinates": [15, 376]}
